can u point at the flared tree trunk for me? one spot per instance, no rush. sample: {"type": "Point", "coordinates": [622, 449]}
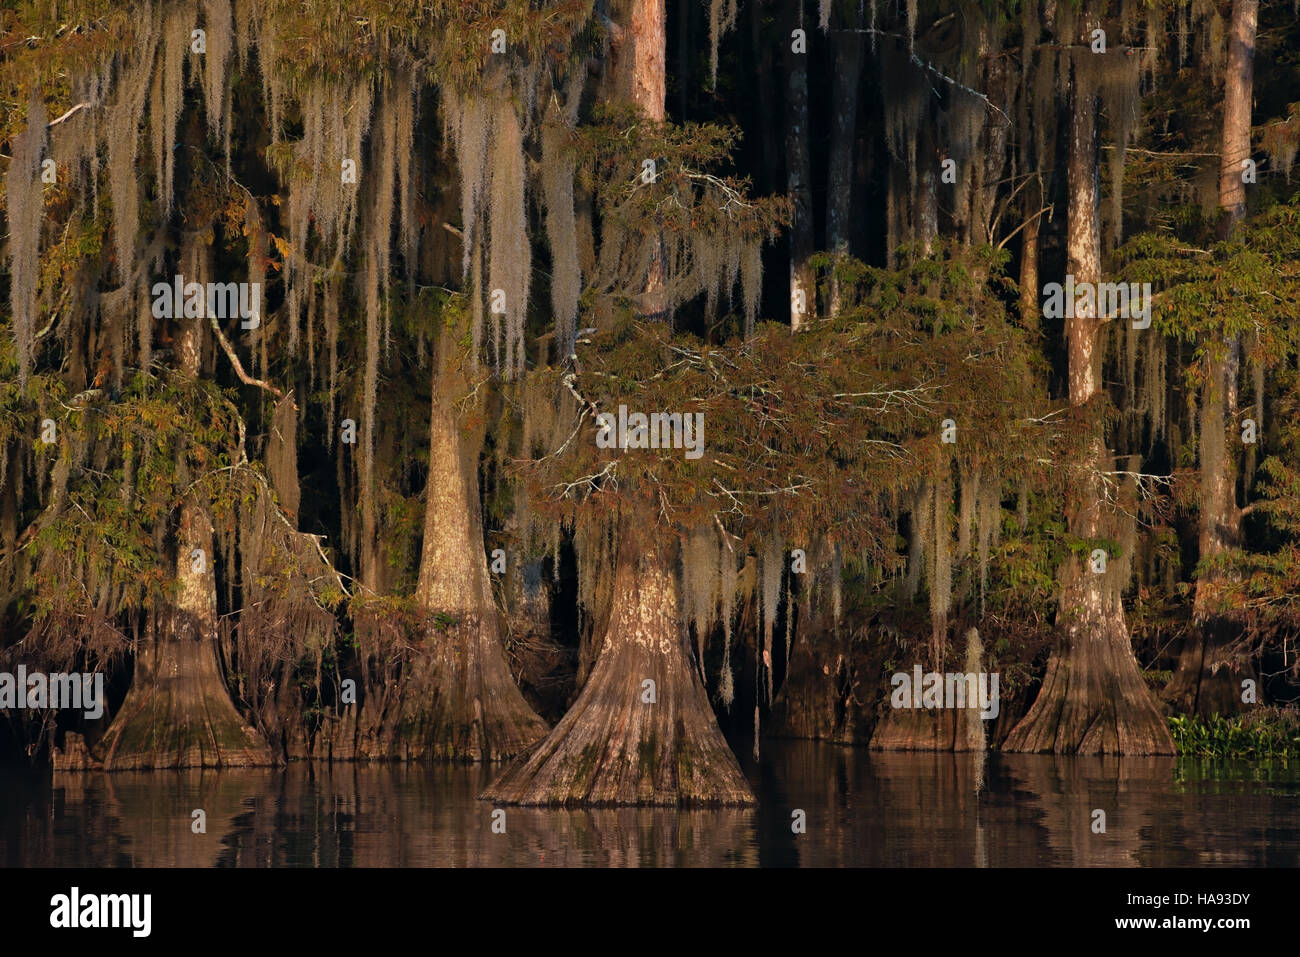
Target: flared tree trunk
{"type": "Point", "coordinates": [460, 701]}
{"type": "Point", "coordinates": [641, 731]}
{"type": "Point", "coordinates": [178, 712]}
{"type": "Point", "coordinates": [1206, 681]}
{"type": "Point", "coordinates": [817, 700]}
{"type": "Point", "coordinates": [1093, 699]}
{"type": "Point", "coordinates": [936, 729]}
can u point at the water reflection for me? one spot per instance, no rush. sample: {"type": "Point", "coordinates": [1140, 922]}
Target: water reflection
{"type": "Point", "coordinates": [860, 807]}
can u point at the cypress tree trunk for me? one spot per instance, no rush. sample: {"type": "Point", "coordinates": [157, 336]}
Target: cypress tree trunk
{"type": "Point", "coordinates": [839, 183]}
{"type": "Point", "coordinates": [1029, 307]}
{"type": "Point", "coordinates": [639, 70]}
{"type": "Point", "coordinates": [1239, 84]}
{"type": "Point", "coordinates": [927, 201]}
{"type": "Point", "coordinates": [459, 701]}
{"type": "Point", "coordinates": [936, 729]}
{"type": "Point", "coordinates": [178, 713]}
{"type": "Point", "coordinates": [984, 197]}
{"type": "Point", "coordinates": [803, 288]}
{"type": "Point", "coordinates": [1093, 699]}
{"type": "Point", "coordinates": [818, 700]}
{"type": "Point", "coordinates": [641, 730]}
{"type": "Point", "coordinates": [1203, 682]}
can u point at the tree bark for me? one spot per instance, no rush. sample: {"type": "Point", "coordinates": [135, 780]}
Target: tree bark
{"type": "Point", "coordinates": [641, 731]}
{"type": "Point", "coordinates": [640, 72]}
{"type": "Point", "coordinates": [459, 700]}
{"type": "Point", "coordinates": [1206, 679]}
{"type": "Point", "coordinates": [818, 700]}
{"type": "Point", "coordinates": [936, 729]}
{"type": "Point", "coordinates": [984, 196]}
{"type": "Point", "coordinates": [178, 713]}
{"type": "Point", "coordinates": [839, 182]}
{"type": "Point", "coordinates": [803, 287]}
{"type": "Point", "coordinates": [1238, 91]}
{"type": "Point", "coordinates": [1029, 305]}
{"type": "Point", "coordinates": [1093, 699]}
{"type": "Point", "coordinates": [648, 35]}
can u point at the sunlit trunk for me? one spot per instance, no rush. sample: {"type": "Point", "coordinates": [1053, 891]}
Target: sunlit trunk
{"type": "Point", "coordinates": [458, 700]}
{"type": "Point", "coordinates": [803, 290]}
{"type": "Point", "coordinates": [641, 730]}
{"type": "Point", "coordinates": [178, 713]}
{"type": "Point", "coordinates": [1093, 699]}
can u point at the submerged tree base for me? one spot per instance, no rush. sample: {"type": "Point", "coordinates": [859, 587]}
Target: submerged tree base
{"type": "Point", "coordinates": [941, 729]}
{"type": "Point", "coordinates": [458, 702]}
{"type": "Point", "coordinates": [928, 729]}
{"type": "Point", "coordinates": [1093, 699]}
{"type": "Point", "coordinates": [641, 731]}
{"type": "Point", "coordinates": [178, 714]}
{"type": "Point", "coordinates": [817, 701]}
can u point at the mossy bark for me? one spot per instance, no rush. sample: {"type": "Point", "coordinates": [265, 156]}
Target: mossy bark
{"type": "Point", "coordinates": [178, 712]}
{"type": "Point", "coordinates": [936, 729]}
{"type": "Point", "coordinates": [924, 729]}
{"type": "Point", "coordinates": [459, 700]}
{"type": "Point", "coordinates": [641, 731]}
{"type": "Point", "coordinates": [1206, 680]}
{"type": "Point", "coordinates": [1093, 699]}
{"type": "Point", "coordinates": [1207, 677]}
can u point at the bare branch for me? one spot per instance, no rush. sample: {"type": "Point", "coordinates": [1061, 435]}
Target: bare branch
{"type": "Point", "coordinates": [244, 377]}
{"type": "Point", "coordinates": [75, 109]}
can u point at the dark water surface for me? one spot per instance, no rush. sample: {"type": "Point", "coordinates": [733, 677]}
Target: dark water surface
{"type": "Point", "coordinates": [862, 808]}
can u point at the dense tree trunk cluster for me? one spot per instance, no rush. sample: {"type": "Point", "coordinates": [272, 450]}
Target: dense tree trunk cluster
{"type": "Point", "coordinates": [394, 385]}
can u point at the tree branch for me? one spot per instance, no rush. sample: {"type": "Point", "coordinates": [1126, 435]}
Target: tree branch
{"type": "Point", "coordinates": [53, 123]}
{"type": "Point", "coordinates": [244, 377]}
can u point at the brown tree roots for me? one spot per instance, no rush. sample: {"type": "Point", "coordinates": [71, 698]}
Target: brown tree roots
{"type": "Point", "coordinates": [459, 703]}
{"type": "Point", "coordinates": [641, 730]}
{"type": "Point", "coordinates": [1093, 699]}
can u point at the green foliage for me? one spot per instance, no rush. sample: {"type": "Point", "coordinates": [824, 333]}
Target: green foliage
{"type": "Point", "coordinates": [129, 464]}
{"type": "Point", "coordinates": [1265, 734]}
{"type": "Point", "coordinates": [816, 433]}
{"type": "Point", "coordinates": [1249, 286]}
